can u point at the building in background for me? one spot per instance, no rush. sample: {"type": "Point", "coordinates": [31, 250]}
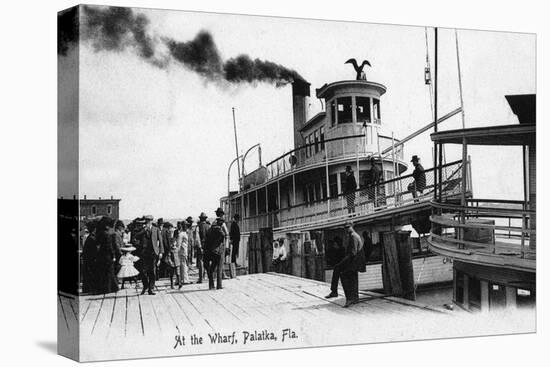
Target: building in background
{"type": "Point", "coordinates": [99, 207]}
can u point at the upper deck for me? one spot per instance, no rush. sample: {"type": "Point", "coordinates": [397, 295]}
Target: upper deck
{"type": "Point", "coordinates": [376, 202]}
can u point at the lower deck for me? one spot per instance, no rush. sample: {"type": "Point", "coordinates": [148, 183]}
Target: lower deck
{"type": "Point", "coordinates": [126, 324]}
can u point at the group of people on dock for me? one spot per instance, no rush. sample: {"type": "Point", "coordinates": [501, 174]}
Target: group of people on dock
{"type": "Point", "coordinates": [113, 253]}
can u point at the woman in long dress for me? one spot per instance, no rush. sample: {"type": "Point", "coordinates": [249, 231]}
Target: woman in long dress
{"type": "Point", "coordinates": [183, 244]}
{"type": "Point", "coordinates": [106, 257]}
{"type": "Point", "coordinates": [89, 261]}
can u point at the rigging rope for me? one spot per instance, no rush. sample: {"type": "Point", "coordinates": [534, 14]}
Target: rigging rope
{"type": "Point", "coordinates": [429, 68]}
{"type": "Point", "coordinates": [459, 79]}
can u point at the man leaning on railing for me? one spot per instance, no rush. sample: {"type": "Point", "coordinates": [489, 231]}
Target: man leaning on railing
{"type": "Point", "coordinates": [419, 177]}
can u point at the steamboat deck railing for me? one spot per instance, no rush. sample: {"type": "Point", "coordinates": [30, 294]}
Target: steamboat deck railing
{"type": "Point", "coordinates": [372, 199]}
{"type": "Point", "coordinates": [490, 229]}
{"type": "Point", "coordinates": [354, 146]}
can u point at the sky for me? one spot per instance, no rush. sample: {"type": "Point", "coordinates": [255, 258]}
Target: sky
{"type": "Point", "coordinates": [161, 138]}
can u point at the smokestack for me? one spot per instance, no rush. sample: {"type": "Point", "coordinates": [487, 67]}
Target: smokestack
{"type": "Point", "coordinates": [300, 101]}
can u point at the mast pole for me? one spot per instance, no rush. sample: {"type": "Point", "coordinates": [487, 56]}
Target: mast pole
{"type": "Point", "coordinates": [435, 114]}
{"type": "Point", "coordinates": [440, 148]}
{"type": "Point", "coordinates": [236, 145]}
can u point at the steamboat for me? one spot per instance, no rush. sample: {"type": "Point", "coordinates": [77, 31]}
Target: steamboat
{"type": "Point", "coordinates": [298, 199]}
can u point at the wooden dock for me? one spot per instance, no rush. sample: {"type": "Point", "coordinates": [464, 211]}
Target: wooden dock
{"type": "Point", "coordinates": [128, 325]}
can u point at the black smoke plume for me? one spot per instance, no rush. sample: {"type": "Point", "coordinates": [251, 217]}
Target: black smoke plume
{"type": "Point", "coordinates": [243, 69]}
{"type": "Point", "coordinates": [115, 29]}
{"type": "Point", "coordinates": [118, 29]}
{"type": "Point", "coordinates": [67, 30]}
{"type": "Point", "coordinates": [200, 55]}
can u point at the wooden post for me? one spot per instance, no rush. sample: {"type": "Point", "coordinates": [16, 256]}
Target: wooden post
{"type": "Point", "coordinates": [259, 265]}
{"type": "Point", "coordinates": [390, 265]}
{"type": "Point", "coordinates": [309, 256]}
{"type": "Point", "coordinates": [266, 240]}
{"type": "Point", "coordinates": [320, 255]}
{"type": "Point", "coordinates": [454, 285]}
{"type": "Point", "coordinates": [251, 254]}
{"type": "Point", "coordinates": [295, 255]}
{"type": "Point", "coordinates": [484, 296]}
{"type": "Point", "coordinates": [466, 291]}
{"type": "Point", "coordinates": [405, 264]}
{"type": "Point", "coordinates": [510, 297]}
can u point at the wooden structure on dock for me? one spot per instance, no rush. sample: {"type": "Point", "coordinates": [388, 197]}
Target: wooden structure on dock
{"type": "Point", "coordinates": [492, 242]}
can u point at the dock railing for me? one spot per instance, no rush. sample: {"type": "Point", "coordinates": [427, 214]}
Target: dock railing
{"type": "Point", "coordinates": [490, 226]}
{"type": "Point", "coordinates": [371, 199]}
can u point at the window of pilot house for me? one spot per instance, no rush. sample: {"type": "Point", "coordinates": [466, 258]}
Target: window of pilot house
{"type": "Point", "coordinates": [344, 110]}
{"type": "Point", "coordinates": [109, 209]}
{"type": "Point", "coordinates": [307, 147]}
{"type": "Point", "coordinates": [376, 109]}
{"type": "Point", "coordinates": [332, 112]}
{"type": "Point", "coordinates": [363, 109]}
{"type": "Point", "coordinates": [322, 133]}
{"type": "Point", "coordinates": [94, 210]}
{"type": "Point", "coordinates": [317, 140]}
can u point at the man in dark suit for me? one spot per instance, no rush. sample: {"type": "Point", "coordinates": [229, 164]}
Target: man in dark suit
{"type": "Point", "coordinates": [353, 262]}
{"type": "Point", "coordinates": [235, 238]}
{"type": "Point", "coordinates": [419, 177]}
{"type": "Point", "coordinates": [350, 185]}
{"type": "Point", "coordinates": [373, 179]}
{"type": "Point", "coordinates": [152, 251]}
{"type": "Point", "coordinates": [166, 248]}
{"type": "Point", "coordinates": [214, 250]}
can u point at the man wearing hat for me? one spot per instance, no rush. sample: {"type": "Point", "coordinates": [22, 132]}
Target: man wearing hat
{"type": "Point", "coordinates": [214, 251]}
{"type": "Point", "coordinates": [165, 228]}
{"type": "Point", "coordinates": [373, 179]}
{"type": "Point", "coordinates": [353, 262]}
{"type": "Point", "coordinates": [151, 253]}
{"type": "Point", "coordinates": [194, 245]}
{"type": "Point", "coordinates": [350, 185]}
{"type": "Point", "coordinates": [235, 239]}
{"type": "Point", "coordinates": [219, 217]}
{"type": "Point", "coordinates": [202, 229]}
{"type": "Point", "coordinates": [419, 177]}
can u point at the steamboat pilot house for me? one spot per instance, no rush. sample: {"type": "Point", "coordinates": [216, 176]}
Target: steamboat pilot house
{"type": "Point", "coordinates": [303, 191]}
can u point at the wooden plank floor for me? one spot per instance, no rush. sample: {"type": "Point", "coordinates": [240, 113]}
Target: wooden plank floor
{"type": "Point", "coordinates": [128, 325]}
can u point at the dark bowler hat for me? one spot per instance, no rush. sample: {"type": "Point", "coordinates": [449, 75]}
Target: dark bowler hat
{"type": "Point", "coordinates": [189, 219]}
{"type": "Point", "coordinates": [219, 212]}
{"type": "Point", "coordinates": [237, 216]}
{"type": "Point", "coordinates": [348, 168]}
{"type": "Point", "coordinates": [415, 158]}
{"type": "Point", "coordinates": [160, 220]}
{"type": "Point", "coordinates": [203, 215]}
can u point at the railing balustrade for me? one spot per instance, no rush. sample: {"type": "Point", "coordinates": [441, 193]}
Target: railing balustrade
{"type": "Point", "coordinates": [495, 226]}
{"type": "Point", "coordinates": [331, 149]}
{"type": "Point", "coordinates": [366, 200]}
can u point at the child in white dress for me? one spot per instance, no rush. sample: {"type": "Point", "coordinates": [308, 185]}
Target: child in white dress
{"type": "Point", "coordinates": [127, 269]}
